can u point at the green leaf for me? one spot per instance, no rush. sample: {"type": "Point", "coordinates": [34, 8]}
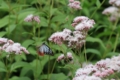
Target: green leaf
{"type": "Point", "coordinates": [25, 70]}
{"type": "Point", "coordinates": [59, 76]}
{"type": "Point", "coordinates": [24, 13]}
{"type": "Point", "coordinates": [27, 43]}
{"type": "Point", "coordinates": [112, 54]}
{"type": "Point", "coordinates": [3, 5]}
{"type": "Point", "coordinates": [10, 28]}
{"type": "Point", "coordinates": [40, 64]}
{"type": "Point", "coordinates": [2, 67]}
{"type": "Point", "coordinates": [91, 39]}
{"type": "Point", "coordinates": [43, 22]}
{"type": "Point", "coordinates": [98, 3]}
{"type": "Point", "coordinates": [32, 50]}
{"type": "Point", "coordinates": [39, 68]}
{"type": "Point", "coordinates": [4, 21]}
{"type": "Point", "coordinates": [93, 51]}
{"type": "Point", "coordinates": [58, 18]}
{"type": "Point", "coordinates": [20, 57]}
{"type": "Point", "coordinates": [2, 33]}
{"type": "Point", "coordinates": [18, 65]}
{"type": "Point", "coordinates": [19, 78]}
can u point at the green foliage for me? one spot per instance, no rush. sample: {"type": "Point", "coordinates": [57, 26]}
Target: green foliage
{"type": "Point", "coordinates": [102, 41]}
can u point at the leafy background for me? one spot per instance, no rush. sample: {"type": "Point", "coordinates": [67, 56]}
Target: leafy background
{"type": "Point", "coordinates": [102, 41]}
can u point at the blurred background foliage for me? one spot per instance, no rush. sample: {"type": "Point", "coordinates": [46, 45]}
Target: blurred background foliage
{"type": "Point", "coordinates": [55, 15]}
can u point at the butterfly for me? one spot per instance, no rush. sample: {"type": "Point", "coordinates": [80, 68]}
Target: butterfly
{"type": "Point", "coordinates": [44, 49]}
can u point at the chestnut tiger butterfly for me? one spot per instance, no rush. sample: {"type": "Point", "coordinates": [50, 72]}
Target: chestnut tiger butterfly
{"type": "Point", "coordinates": [44, 49]}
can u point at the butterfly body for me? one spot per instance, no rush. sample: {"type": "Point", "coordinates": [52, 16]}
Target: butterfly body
{"type": "Point", "coordinates": [44, 49]}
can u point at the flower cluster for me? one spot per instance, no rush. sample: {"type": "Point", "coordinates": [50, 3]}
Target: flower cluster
{"type": "Point", "coordinates": [82, 23]}
{"type": "Point", "coordinates": [11, 47]}
{"type": "Point", "coordinates": [59, 37]}
{"type": "Point", "coordinates": [68, 57]}
{"type": "Point", "coordinates": [74, 39]}
{"type": "Point", "coordinates": [100, 70]}
{"type": "Point", "coordinates": [115, 2]}
{"type": "Point", "coordinates": [113, 11]}
{"type": "Point", "coordinates": [74, 4]}
{"type": "Point", "coordinates": [31, 18]}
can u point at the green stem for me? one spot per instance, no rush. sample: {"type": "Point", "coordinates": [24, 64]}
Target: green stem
{"type": "Point", "coordinates": [49, 17]}
{"type": "Point", "coordinates": [53, 67]}
{"type": "Point", "coordinates": [48, 67]}
{"type": "Point", "coordinates": [11, 56]}
{"type": "Point", "coordinates": [116, 41]}
{"type": "Point", "coordinates": [36, 75]}
{"type": "Point", "coordinates": [113, 28]}
{"type": "Point", "coordinates": [97, 9]}
{"type": "Point", "coordinates": [85, 52]}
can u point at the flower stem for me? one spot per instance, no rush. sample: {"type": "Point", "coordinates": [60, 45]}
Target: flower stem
{"type": "Point", "coordinates": [48, 68]}
{"type": "Point", "coordinates": [116, 41]}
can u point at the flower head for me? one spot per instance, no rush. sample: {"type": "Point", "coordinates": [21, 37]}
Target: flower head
{"type": "Point", "coordinates": [82, 23]}
{"type": "Point", "coordinates": [74, 4]}
{"type": "Point", "coordinates": [31, 18]}
{"type": "Point", "coordinates": [60, 57]}
{"type": "Point", "coordinates": [11, 47]}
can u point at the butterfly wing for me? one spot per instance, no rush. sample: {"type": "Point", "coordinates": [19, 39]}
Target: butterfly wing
{"type": "Point", "coordinates": [44, 49]}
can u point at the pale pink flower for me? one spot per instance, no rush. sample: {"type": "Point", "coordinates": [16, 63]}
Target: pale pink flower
{"type": "Point", "coordinates": [3, 40]}
{"type": "Point", "coordinates": [69, 55]}
{"type": "Point", "coordinates": [85, 25]}
{"type": "Point", "coordinates": [11, 47]}
{"type": "Point", "coordinates": [36, 18]}
{"type": "Point", "coordinates": [97, 73]}
{"type": "Point", "coordinates": [80, 19]}
{"type": "Point", "coordinates": [57, 37]}
{"type": "Point", "coordinates": [29, 18]}
{"type": "Point", "coordinates": [111, 1]}
{"type": "Point", "coordinates": [74, 4]}
{"type": "Point", "coordinates": [115, 2]}
{"type": "Point", "coordinates": [110, 10]}
{"type": "Point", "coordinates": [101, 69]}
{"type": "Point", "coordinates": [61, 57]}
{"type": "Point", "coordinates": [79, 35]}
{"type": "Point", "coordinates": [10, 42]}
{"type": "Point", "coordinates": [84, 77]}
{"type": "Point", "coordinates": [114, 13]}
{"type": "Point", "coordinates": [92, 78]}
{"type": "Point", "coordinates": [24, 50]}
{"type": "Point", "coordinates": [67, 31]}
{"type": "Point", "coordinates": [82, 23]}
